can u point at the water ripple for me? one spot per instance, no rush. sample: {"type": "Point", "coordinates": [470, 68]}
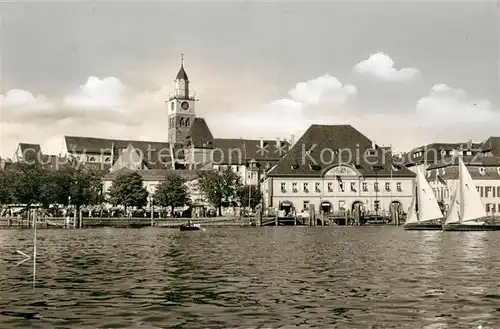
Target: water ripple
{"type": "Point", "coordinates": [275, 277]}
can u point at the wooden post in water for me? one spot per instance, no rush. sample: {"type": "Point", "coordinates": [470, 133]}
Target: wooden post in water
{"type": "Point", "coordinates": [276, 220]}
{"type": "Point", "coordinates": [80, 219]}
{"type": "Point", "coordinates": [259, 219]}
{"type": "Point", "coordinates": [294, 220]}
{"type": "Point", "coordinates": [346, 214]}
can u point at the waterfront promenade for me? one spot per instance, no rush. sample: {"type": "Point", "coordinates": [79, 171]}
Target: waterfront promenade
{"type": "Point", "coordinates": [93, 222]}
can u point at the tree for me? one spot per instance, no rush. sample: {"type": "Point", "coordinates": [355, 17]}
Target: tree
{"type": "Point", "coordinates": [83, 185]}
{"type": "Point", "coordinates": [172, 192]}
{"type": "Point", "coordinates": [219, 186]}
{"type": "Point", "coordinates": [6, 186]}
{"type": "Point", "coordinates": [128, 190]}
{"type": "Point", "coordinates": [31, 185]}
{"type": "Point", "coordinates": [251, 192]}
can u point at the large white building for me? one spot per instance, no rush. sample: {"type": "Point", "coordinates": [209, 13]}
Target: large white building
{"type": "Point", "coordinates": [335, 168]}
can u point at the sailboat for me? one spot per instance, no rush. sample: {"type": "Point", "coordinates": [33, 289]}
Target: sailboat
{"type": "Point", "coordinates": [424, 213]}
{"type": "Point", "coordinates": [467, 211]}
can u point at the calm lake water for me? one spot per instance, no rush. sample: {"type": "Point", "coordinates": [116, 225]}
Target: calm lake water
{"type": "Point", "coordinates": [275, 277]}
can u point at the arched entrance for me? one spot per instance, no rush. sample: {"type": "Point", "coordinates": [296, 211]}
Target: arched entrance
{"type": "Point", "coordinates": [395, 206]}
{"type": "Point", "coordinates": [357, 205]}
{"type": "Point", "coordinates": [326, 207]}
{"type": "Point", "coordinates": [286, 206]}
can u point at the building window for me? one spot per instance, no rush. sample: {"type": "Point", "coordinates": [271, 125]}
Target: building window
{"type": "Point", "coordinates": [330, 187]}
{"type": "Point", "coordinates": [341, 186]}
{"type": "Point", "coordinates": [187, 122]}
{"type": "Point", "coordinates": [487, 191]}
{"type": "Point", "coordinates": [375, 186]}
{"type": "Point", "coordinates": [353, 187]}
{"type": "Point", "coordinates": [387, 186]}
{"type": "Point", "coordinates": [283, 187]}
{"type": "Point", "coordinates": [469, 153]}
{"type": "Point", "coordinates": [446, 193]}
{"type": "Point", "coordinates": [306, 187]}
{"type": "Point", "coordinates": [365, 187]}
{"type": "Point", "coordinates": [398, 187]}
{"type": "Point", "coordinates": [316, 187]}
{"type": "Point", "coordinates": [107, 159]}
{"type": "Point", "coordinates": [377, 205]}
{"type": "Point", "coordinates": [294, 187]}
{"type": "Point", "coordinates": [306, 205]}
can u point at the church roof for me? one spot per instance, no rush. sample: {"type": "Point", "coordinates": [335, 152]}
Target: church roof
{"type": "Point", "coordinates": [200, 135]}
{"type": "Point", "coordinates": [182, 75]}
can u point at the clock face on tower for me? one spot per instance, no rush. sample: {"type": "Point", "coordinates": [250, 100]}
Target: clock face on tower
{"type": "Point", "coordinates": [185, 105]}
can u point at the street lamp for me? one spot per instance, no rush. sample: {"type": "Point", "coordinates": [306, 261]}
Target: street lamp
{"type": "Point", "coordinates": [66, 220]}
{"type": "Point", "coordinates": [151, 208]}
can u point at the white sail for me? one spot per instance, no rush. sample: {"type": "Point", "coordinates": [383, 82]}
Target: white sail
{"type": "Point", "coordinates": [472, 208]}
{"type": "Point", "coordinates": [428, 207]}
{"type": "Point", "coordinates": [412, 212]}
{"type": "Point", "coordinates": [453, 215]}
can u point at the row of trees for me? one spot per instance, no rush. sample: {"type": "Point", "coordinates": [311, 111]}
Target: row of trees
{"type": "Point", "coordinates": [33, 184]}
{"type": "Point", "coordinates": [219, 188]}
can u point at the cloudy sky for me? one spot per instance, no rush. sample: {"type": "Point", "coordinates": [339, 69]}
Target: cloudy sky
{"type": "Point", "coordinates": [403, 73]}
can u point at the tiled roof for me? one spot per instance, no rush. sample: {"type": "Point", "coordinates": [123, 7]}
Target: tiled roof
{"type": "Point", "coordinates": [476, 172]}
{"type": "Point", "coordinates": [228, 151]}
{"type": "Point", "coordinates": [199, 134]}
{"type": "Point", "coordinates": [156, 154]}
{"type": "Point", "coordinates": [492, 145]}
{"type": "Point", "coordinates": [30, 152]}
{"type": "Point", "coordinates": [433, 152]}
{"type": "Point", "coordinates": [330, 145]}
{"type": "Point", "coordinates": [477, 161]}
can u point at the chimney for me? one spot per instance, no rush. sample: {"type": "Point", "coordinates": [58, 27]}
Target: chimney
{"type": "Point", "coordinates": [278, 142]}
{"type": "Point", "coordinates": [261, 142]}
{"type": "Point", "coordinates": [292, 140]}
{"type": "Point", "coordinates": [373, 145]}
{"type": "Point", "coordinates": [469, 144]}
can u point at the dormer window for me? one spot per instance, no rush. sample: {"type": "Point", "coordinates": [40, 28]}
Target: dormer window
{"type": "Point", "coordinates": [295, 167]}
{"type": "Point", "coordinates": [498, 170]}
{"type": "Point", "coordinates": [315, 167]}
{"type": "Point", "coordinates": [482, 171]}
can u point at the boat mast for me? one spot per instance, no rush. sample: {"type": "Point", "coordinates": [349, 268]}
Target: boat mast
{"type": "Point", "coordinates": [460, 186]}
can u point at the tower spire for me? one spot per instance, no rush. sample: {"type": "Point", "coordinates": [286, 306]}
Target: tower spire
{"type": "Point", "coordinates": [182, 59]}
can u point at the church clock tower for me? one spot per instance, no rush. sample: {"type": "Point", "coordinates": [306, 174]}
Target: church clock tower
{"type": "Point", "coordinates": [181, 112]}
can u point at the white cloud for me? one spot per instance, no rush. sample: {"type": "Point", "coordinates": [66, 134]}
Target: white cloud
{"type": "Point", "coordinates": [326, 89]}
{"type": "Point", "coordinates": [286, 116]}
{"type": "Point", "coordinates": [381, 66]}
{"type": "Point", "coordinates": [97, 94]}
{"type": "Point", "coordinates": [447, 106]}
{"type": "Point", "coordinates": [18, 99]}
